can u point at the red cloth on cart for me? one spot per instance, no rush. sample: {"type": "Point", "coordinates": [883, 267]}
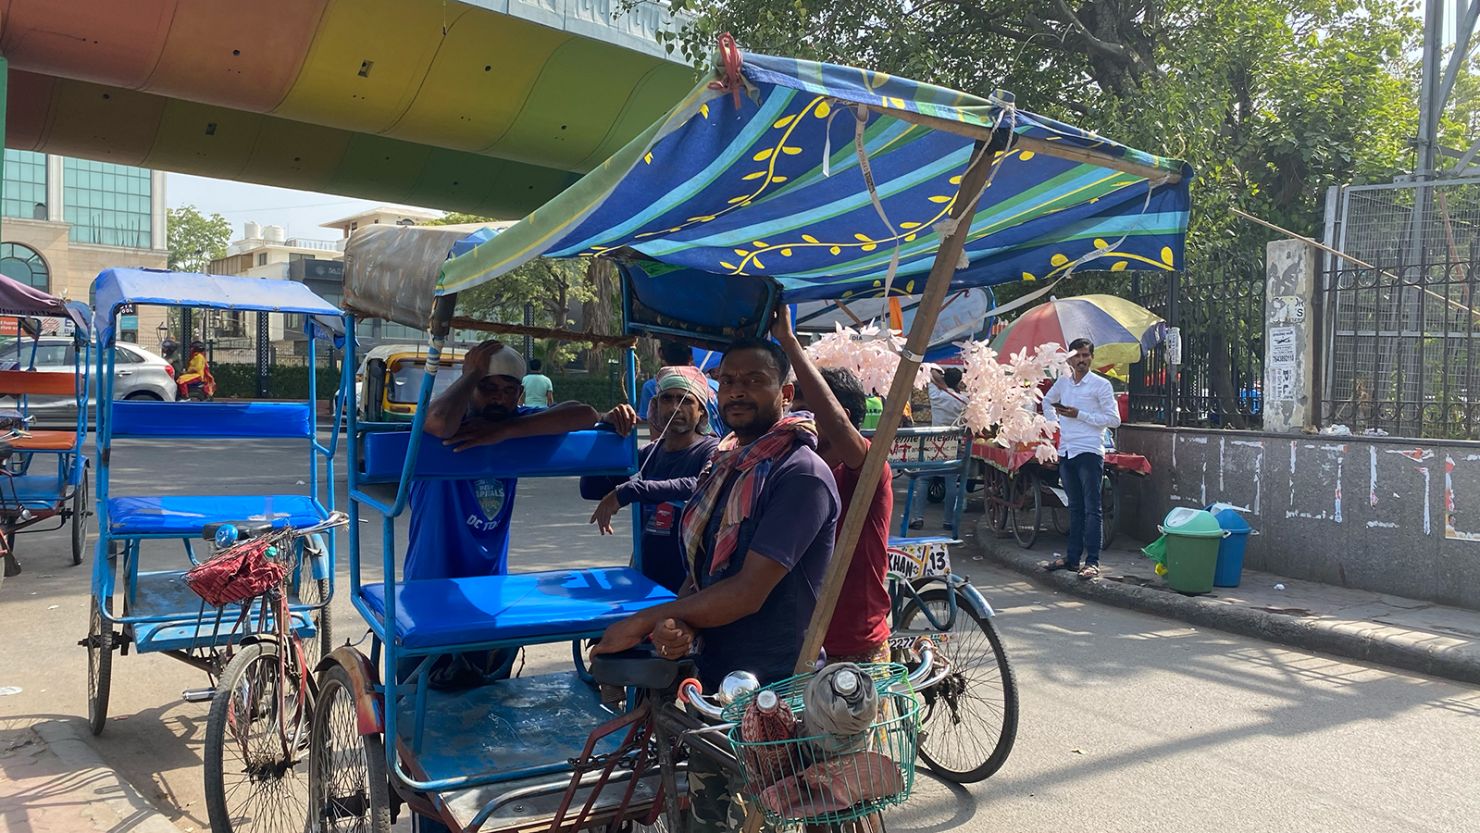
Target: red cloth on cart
{"type": "Point", "coordinates": [1013, 459]}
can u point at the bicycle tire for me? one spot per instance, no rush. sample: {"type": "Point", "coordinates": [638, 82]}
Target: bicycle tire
{"type": "Point", "coordinates": [276, 799]}
{"type": "Point", "coordinates": [1026, 514]}
{"type": "Point", "coordinates": [949, 721]}
{"type": "Point", "coordinates": [995, 488]}
{"type": "Point", "coordinates": [99, 666]}
{"type": "Point", "coordinates": [323, 642]}
{"type": "Point", "coordinates": [79, 520]}
{"type": "Point", "coordinates": [345, 763]}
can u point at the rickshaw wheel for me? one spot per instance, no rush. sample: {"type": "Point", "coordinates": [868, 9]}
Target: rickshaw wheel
{"type": "Point", "coordinates": [314, 591]}
{"type": "Point", "coordinates": [935, 492]}
{"type": "Point", "coordinates": [1027, 508]}
{"type": "Point", "coordinates": [1109, 509]}
{"type": "Point", "coordinates": [251, 780]}
{"type": "Point", "coordinates": [971, 716]}
{"type": "Point", "coordinates": [99, 667]}
{"type": "Point", "coordinates": [996, 497]}
{"type": "Point", "coordinates": [347, 784]}
{"type": "Point", "coordinates": [79, 520]}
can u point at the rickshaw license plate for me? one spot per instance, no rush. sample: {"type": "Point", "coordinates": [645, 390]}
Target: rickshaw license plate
{"type": "Point", "coordinates": [914, 560]}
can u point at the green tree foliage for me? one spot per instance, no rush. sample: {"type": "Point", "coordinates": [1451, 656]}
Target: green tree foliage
{"type": "Point", "coordinates": [194, 240]}
{"type": "Point", "coordinates": [1269, 100]}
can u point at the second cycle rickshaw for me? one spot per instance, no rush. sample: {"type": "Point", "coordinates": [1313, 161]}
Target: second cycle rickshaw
{"type": "Point", "coordinates": [730, 205]}
{"type": "Point", "coordinates": [142, 595]}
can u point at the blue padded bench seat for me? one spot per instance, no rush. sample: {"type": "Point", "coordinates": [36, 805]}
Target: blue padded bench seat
{"type": "Point", "coordinates": [34, 491]}
{"type": "Point", "coordinates": [593, 451]}
{"type": "Point", "coordinates": [550, 606]}
{"type": "Point", "coordinates": [223, 420]}
{"type": "Point", "coordinates": [184, 515]}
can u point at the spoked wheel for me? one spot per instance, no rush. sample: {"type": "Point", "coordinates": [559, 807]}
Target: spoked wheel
{"type": "Point", "coordinates": [1109, 509]}
{"type": "Point", "coordinates": [1060, 519]}
{"type": "Point", "coordinates": [79, 520]}
{"type": "Point", "coordinates": [254, 780]}
{"type": "Point", "coordinates": [971, 716]}
{"type": "Point", "coordinates": [935, 492]}
{"type": "Point", "coordinates": [347, 786]}
{"type": "Point", "coordinates": [996, 497]}
{"type": "Point", "coordinates": [1027, 508]}
{"type": "Point", "coordinates": [99, 666]}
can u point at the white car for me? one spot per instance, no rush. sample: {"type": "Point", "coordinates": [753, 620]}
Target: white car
{"type": "Point", "coordinates": [138, 375]}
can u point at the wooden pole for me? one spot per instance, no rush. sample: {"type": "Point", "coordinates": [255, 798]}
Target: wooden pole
{"type": "Point", "coordinates": [936, 286]}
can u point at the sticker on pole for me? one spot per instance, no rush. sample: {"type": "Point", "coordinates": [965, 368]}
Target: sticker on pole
{"type": "Point", "coordinates": [1174, 345]}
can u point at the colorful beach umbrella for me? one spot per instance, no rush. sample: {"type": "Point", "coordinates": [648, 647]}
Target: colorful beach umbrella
{"type": "Point", "coordinates": [1121, 330]}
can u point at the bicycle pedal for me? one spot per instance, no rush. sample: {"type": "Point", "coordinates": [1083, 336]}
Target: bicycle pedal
{"type": "Point", "coordinates": [197, 695]}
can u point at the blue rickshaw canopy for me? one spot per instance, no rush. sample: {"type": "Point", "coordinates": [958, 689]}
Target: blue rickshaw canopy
{"type": "Point", "coordinates": [834, 182]}
{"type": "Point", "coordinates": [115, 288]}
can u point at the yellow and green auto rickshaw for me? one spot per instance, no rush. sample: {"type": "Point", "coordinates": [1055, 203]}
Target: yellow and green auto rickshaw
{"type": "Point", "coordinates": [390, 377]}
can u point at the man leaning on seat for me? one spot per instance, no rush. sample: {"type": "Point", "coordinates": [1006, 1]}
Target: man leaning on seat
{"type": "Point", "coordinates": [460, 528]}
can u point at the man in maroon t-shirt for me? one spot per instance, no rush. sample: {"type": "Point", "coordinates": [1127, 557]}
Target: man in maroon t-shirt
{"type": "Point", "coordinates": [860, 625]}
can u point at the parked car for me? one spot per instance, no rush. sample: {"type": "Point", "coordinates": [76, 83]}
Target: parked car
{"type": "Point", "coordinates": [389, 379]}
{"type": "Point", "coordinates": [139, 375]}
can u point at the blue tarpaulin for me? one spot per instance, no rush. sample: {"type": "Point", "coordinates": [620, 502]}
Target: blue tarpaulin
{"type": "Point", "coordinates": [774, 186]}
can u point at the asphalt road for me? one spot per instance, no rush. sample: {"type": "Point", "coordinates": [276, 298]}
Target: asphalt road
{"type": "Point", "coordinates": [1129, 722]}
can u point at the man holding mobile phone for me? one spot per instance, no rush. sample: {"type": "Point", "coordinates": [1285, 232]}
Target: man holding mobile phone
{"type": "Point", "coordinates": [1083, 405]}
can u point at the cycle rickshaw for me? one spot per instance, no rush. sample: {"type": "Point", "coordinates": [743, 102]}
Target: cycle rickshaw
{"type": "Point", "coordinates": [141, 600]}
{"type": "Point", "coordinates": [713, 216]}
{"type": "Point", "coordinates": [43, 473]}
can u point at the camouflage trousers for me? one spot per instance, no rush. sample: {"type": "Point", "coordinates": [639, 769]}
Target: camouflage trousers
{"type": "Point", "coordinates": [713, 804]}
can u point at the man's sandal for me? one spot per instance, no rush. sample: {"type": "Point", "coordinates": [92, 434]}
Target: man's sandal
{"type": "Point", "coordinates": [1058, 564]}
{"type": "Point", "coordinates": [1089, 571]}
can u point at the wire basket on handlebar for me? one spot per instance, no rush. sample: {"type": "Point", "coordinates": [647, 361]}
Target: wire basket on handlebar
{"type": "Point", "coordinates": [835, 764]}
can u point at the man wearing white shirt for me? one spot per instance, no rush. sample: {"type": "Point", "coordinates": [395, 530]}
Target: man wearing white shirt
{"type": "Point", "coordinates": [1084, 406]}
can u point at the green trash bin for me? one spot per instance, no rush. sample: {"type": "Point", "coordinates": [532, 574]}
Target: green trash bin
{"type": "Point", "coordinates": [1192, 539]}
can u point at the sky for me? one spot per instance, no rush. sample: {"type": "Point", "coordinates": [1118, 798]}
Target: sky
{"type": "Point", "coordinates": [300, 212]}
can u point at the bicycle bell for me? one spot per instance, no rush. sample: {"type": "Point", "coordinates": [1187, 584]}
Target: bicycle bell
{"type": "Point", "coordinates": [226, 535]}
{"type": "Point", "coordinates": [735, 685]}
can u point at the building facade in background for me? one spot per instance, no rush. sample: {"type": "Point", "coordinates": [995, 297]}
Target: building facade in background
{"type": "Point", "coordinates": [64, 220]}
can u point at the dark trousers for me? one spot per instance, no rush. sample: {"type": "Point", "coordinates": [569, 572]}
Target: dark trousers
{"type": "Point", "coordinates": [1080, 476]}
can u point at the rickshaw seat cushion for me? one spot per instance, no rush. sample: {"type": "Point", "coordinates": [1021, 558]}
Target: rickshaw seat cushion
{"type": "Point", "coordinates": [592, 451]}
{"type": "Point", "coordinates": [187, 515]}
{"type": "Point", "coordinates": [212, 420]}
{"type": "Point", "coordinates": [34, 490]}
{"type": "Point", "coordinates": [46, 441]}
{"type": "Point", "coordinates": [40, 383]}
{"type": "Point", "coordinates": [551, 606]}
{"type": "Point", "coordinates": [638, 668]}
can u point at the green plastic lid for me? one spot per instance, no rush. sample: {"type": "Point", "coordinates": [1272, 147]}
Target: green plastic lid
{"type": "Point", "coordinates": [1192, 523]}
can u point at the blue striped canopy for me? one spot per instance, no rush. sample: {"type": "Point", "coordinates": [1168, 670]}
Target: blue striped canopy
{"type": "Point", "coordinates": [774, 185]}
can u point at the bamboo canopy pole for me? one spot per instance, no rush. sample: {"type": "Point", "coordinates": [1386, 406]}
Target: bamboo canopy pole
{"type": "Point", "coordinates": [936, 286]}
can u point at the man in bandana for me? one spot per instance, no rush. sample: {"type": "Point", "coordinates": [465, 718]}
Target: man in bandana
{"type": "Point", "coordinates": [757, 537]}
{"type": "Point", "coordinates": [681, 446]}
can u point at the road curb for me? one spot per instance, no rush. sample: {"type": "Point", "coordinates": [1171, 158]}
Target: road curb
{"type": "Point", "coordinates": [1357, 640]}
{"type": "Point", "coordinates": [112, 802]}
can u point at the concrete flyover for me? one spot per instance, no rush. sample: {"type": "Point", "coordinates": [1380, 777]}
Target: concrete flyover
{"type": "Point", "coordinates": [486, 106]}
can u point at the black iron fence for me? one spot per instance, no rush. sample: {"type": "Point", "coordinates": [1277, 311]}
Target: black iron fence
{"type": "Point", "coordinates": [1402, 348]}
{"type": "Point", "coordinates": [1220, 316]}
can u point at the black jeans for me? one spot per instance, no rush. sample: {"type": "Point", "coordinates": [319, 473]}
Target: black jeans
{"type": "Point", "coordinates": [1080, 476]}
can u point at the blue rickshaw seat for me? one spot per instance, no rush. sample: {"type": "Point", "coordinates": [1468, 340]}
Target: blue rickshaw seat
{"type": "Point", "coordinates": [552, 606]}
{"type": "Point", "coordinates": [184, 515]}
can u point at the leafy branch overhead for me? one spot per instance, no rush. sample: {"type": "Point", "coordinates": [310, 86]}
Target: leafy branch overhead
{"type": "Point", "coordinates": [194, 240]}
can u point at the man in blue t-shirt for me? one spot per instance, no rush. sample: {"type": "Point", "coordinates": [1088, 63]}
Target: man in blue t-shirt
{"type": "Point", "coordinates": [460, 528]}
{"type": "Point", "coordinates": [678, 354]}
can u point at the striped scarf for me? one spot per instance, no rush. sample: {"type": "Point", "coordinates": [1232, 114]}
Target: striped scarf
{"type": "Point", "coordinates": [754, 463]}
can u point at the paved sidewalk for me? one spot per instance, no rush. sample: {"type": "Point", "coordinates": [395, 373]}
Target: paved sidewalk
{"type": "Point", "coordinates": [51, 781]}
{"type": "Point", "coordinates": [1374, 627]}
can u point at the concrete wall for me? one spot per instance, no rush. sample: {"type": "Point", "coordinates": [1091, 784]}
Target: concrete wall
{"type": "Point", "coordinates": [1397, 516]}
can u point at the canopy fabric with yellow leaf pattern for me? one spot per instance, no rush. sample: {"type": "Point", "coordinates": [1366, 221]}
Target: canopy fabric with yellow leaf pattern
{"type": "Point", "coordinates": [775, 185]}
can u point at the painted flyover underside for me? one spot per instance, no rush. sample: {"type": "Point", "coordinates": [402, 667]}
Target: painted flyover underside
{"type": "Point", "coordinates": [490, 106]}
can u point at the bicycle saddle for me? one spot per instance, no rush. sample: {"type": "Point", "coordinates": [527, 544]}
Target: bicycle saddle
{"type": "Point", "coordinates": [639, 668]}
{"type": "Point", "coordinates": [244, 529]}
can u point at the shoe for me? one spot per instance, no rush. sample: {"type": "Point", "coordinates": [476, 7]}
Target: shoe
{"type": "Point", "coordinates": [918, 523]}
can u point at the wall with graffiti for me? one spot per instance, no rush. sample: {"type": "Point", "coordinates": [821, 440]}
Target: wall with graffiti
{"type": "Point", "coordinates": [1383, 514]}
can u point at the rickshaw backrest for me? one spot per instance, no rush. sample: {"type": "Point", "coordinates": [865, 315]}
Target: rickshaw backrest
{"type": "Point", "coordinates": [216, 420]}
{"type": "Point", "coordinates": [595, 452]}
{"type": "Point", "coordinates": [20, 382]}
